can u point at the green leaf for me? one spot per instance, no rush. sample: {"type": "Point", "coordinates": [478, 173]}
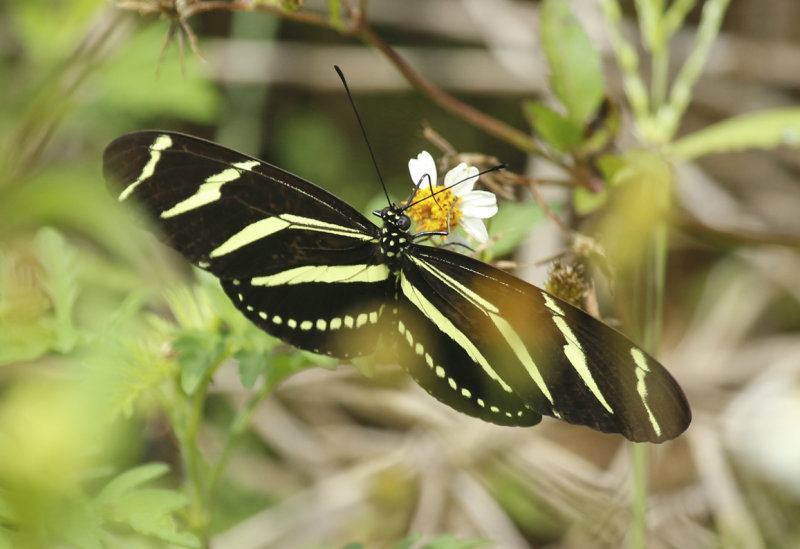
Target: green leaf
{"type": "Point", "coordinates": [759, 130]}
{"type": "Point", "coordinates": [251, 365]}
{"type": "Point", "coordinates": [558, 131]}
{"type": "Point", "coordinates": [38, 290]}
{"type": "Point", "coordinates": [130, 480]}
{"type": "Point", "coordinates": [198, 352]}
{"type": "Point", "coordinates": [511, 225]}
{"type": "Point", "coordinates": [586, 201]}
{"type": "Point", "coordinates": [79, 525]}
{"type": "Point", "coordinates": [576, 70]}
{"type": "Point", "coordinates": [59, 261]}
{"type": "Point", "coordinates": [149, 512]}
{"type": "Point", "coordinates": [146, 510]}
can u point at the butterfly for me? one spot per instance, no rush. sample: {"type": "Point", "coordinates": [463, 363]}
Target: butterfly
{"type": "Point", "coordinates": [310, 269]}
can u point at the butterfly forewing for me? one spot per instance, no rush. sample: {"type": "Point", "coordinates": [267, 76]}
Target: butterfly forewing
{"type": "Point", "coordinates": [300, 263]}
{"type": "Point", "coordinates": [543, 353]}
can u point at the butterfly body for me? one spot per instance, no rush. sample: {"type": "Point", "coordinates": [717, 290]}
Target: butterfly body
{"type": "Point", "coordinates": [310, 269]}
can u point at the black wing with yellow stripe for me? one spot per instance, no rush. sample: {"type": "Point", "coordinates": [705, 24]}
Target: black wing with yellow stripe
{"type": "Point", "coordinates": [307, 267]}
{"type": "Point", "coordinates": [297, 261]}
{"type": "Point", "coordinates": [493, 346]}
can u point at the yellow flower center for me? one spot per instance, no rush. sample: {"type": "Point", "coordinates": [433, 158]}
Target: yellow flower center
{"type": "Point", "coordinates": [432, 208]}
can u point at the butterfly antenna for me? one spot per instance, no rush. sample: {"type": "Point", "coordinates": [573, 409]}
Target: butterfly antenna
{"type": "Point", "coordinates": [363, 131]}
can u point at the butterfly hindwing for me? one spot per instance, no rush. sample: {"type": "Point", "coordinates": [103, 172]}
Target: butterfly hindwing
{"type": "Point", "coordinates": [299, 262]}
{"type": "Point", "coordinates": [542, 352]}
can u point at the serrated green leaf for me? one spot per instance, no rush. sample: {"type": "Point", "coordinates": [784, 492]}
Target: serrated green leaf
{"type": "Point", "coordinates": [198, 352]}
{"type": "Point", "coordinates": [38, 290]}
{"type": "Point", "coordinates": [59, 261]}
{"type": "Point", "coordinates": [576, 70]}
{"type": "Point", "coordinates": [284, 364]}
{"type": "Point", "coordinates": [21, 342]}
{"type": "Point", "coordinates": [760, 130]}
{"type": "Point", "coordinates": [149, 512]}
{"type": "Point", "coordinates": [511, 225]}
{"type": "Point", "coordinates": [559, 132]}
{"type": "Point", "coordinates": [251, 365]}
{"type": "Point", "coordinates": [130, 479]}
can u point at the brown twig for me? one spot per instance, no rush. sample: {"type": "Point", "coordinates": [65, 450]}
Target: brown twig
{"type": "Point", "coordinates": [477, 118]}
{"type": "Point", "coordinates": [357, 26]}
{"type": "Point", "coordinates": [549, 212]}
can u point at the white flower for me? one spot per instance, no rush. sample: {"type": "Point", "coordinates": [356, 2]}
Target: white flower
{"type": "Point", "coordinates": [432, 205]}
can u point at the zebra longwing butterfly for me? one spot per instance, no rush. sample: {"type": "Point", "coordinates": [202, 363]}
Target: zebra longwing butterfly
{"type": "Point", "coordinates": [307, 267]}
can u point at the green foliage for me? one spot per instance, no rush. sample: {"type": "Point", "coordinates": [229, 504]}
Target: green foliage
{"type": "Point", "coordinates": [559, 131]}
{"type": "Point", "coordinates": [60, 428]}
{"type": "Point", "coordinates": [148, 511]}
{"type": "Point", "coordinates": [510, 226]}
{"type": "Point", "coordinates": [576, 78]}
{"type": "Point", "coordinates": [129, 84]}
{"type": "Point", "coordinates": [576, 70]}
{"type": "Point", "coordinates": [441, 542]}
{"type": "Point", "coordinates": [38, 290]}
{"type": "Point", "coordinates": [335, 12]}
{"type": "Point", "coordinates": [758, 130]}
{"type": "Point", "coordinates": [89, 337]}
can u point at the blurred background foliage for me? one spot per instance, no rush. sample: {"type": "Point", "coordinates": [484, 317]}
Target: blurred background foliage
{"type": "Point", "coordinates": [139, 409]}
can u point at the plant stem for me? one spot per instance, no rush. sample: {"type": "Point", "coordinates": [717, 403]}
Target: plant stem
{"type": "Point", "coordinates": [237, 428]}
{"type": "Point", "coordinates": [681, 92]}
{"type": "Point", "coordinates": [186, 422]}
{"type": "Point", "coordinates": [651, 282]}
{"type": "Point", "coordinates": [628, 61]}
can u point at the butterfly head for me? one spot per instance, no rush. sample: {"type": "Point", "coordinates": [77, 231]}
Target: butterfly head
{"type": "Point", "coordinates": [395, 217]}
{"type": "Point", "coordinates": [394, 233]}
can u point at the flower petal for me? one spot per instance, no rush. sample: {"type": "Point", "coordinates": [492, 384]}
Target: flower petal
{"type": "Point", "coordinates": [475, 228]}
{"type": "Point", "coordinates": [480, 204]}
{"type": "Point", "coordinates": [421, 166]}
{"type": "Point", "coordinates": [464, 175]}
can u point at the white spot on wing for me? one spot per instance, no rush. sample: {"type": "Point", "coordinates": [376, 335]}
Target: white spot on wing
{"type": "Point", "coordinates": [446, 326]}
